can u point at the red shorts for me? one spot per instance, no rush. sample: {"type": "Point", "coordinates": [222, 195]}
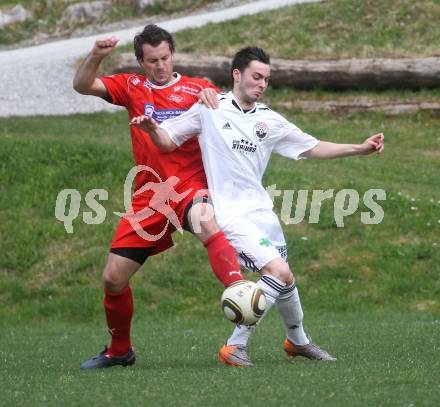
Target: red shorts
{"type": "Point", "coordinates": [150, 228]}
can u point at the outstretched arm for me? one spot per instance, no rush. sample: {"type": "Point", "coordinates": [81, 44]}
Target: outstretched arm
{"type": "Point", "coordinates": [174, 132]}
{"type": "Point", "coordinates": [159, 135]}
{"type": "Point", "coordinates": [325, 150]}
{"type": "Point", "coordinates": [85, 80]}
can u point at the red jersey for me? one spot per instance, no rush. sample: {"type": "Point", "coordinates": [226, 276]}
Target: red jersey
{"type": "Point", "coordinates": [141, 97]}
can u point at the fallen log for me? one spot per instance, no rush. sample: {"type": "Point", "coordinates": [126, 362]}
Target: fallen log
{"type": "Point", "coordinates": [391, 108]}
{"type": "Point", "coordinates": [340, 74]}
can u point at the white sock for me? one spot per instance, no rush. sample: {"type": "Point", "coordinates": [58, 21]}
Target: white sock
{"type": "Point", "coordinates": [289, 306]}
{"type": "Point", "coordinates": [271, 287]}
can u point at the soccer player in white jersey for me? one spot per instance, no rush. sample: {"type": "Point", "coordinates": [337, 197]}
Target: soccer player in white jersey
{"type": "Point", "coordinates": [237, 140]}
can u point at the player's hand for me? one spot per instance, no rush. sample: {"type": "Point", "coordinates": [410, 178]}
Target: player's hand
{"type": "Point", "coordinates": [145, 123]}
{"type": "Point", "coordinates": [373, 144]}
{"type": "Point", "coordinates": [208, 97]}
{"type": "Point", "coordinates": [105, 46]}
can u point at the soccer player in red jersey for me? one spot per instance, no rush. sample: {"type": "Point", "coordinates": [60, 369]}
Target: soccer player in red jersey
{"type": "Point", "coordinates": [170, 188]}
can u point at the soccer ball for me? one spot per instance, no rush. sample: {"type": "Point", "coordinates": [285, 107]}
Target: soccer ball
{"type": "Point", "coordinates": [243, 302]}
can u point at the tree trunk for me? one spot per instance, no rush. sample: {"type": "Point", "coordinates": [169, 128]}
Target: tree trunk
{"type": "Point", "coordinates": [305, 74]}
{"type": "Point", "coordinates": [391, 108]}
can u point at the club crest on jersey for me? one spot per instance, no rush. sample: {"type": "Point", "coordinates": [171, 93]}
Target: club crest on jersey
{"type": "Point", "coordinates": [261, 130]}
{"type": "Point", "coordinates": [135, 81]}
{"type": "Point", "coordinates": [177, 88]}
{"type": "Point", "coordinates": [148, 109]}
{"type": "Point", "coordinates": [176, 98]}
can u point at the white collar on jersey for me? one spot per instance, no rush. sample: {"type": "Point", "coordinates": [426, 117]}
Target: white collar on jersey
{"type": "Point", "coordinates": [235, 103]}
{"type": "Point", "coordinates": [176, 79]}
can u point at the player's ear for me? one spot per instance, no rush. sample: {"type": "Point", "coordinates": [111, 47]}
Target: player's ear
{"type": "Point", "coordinates": [236, 75]}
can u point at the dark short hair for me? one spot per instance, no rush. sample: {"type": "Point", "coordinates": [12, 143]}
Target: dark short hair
{"type": "Point", "coordinates": [151, 35]}
{"type": "Point", "coordinates": [245, 56]}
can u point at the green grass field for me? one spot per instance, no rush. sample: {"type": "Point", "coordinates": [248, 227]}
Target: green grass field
{"type": "Point", "coordinates": [384, 360]}
{"type": "Point", "coordinates": [371, 294]}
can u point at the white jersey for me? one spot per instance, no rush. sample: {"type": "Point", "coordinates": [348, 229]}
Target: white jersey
{"type": "Point", "coordinates": [236, 148]}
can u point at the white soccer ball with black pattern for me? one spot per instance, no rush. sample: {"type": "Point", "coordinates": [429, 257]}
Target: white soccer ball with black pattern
{"type": "Point", "coordinates": [243, 302]}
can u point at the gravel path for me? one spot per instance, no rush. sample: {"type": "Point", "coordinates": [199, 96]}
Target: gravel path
{"type": "Point", "coordinates": [38, 80]}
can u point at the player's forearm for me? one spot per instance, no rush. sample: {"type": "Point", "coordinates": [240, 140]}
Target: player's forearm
{"type": "Point", "coordinates": [162, 140]}
{"type": "Point", "coordinates": [86, 74]}
{"type": "Point", "coordinates": [326, 150]}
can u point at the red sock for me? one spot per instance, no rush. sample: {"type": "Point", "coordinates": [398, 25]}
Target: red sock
{"type": "Point", "coordinates": [223, 259]}
{"type": "Point", "coordinates": [119, 311]}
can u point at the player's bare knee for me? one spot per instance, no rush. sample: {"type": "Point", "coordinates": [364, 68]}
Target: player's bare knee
{"type": "Point", "coordinates": [202, 220]}
{"type": "Point", "coordinates": [209, 228]}
{"type": "Point", "coordinates": [280, 270]}
{"type": "Point", "coordinates": [286, 275]}
{"type": "Point", "coordinates": [113, 279]}
{"type": "Point", "coordinates": [118, 271]}
{"type": "Point", "coordinates": [290, 278]}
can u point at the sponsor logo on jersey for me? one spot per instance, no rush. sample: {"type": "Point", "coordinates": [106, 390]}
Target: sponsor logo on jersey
{"type": "Point", "coordinates": [135, 81]}
{"type": "Point", "coordinates": [148, 109]}
{"type": "Point", "coordinates": [176, 98]}
{"type": "Point", "coordinates": [244, 146]}
{"type": "Point", "coordinates": [227, 126]}
{"type": "Point", "coordinates": [165, 114]}
{"type": "Point", "coordinates": [190, 90]}
{"type": "Point", "coordinates": [261, 130]}
{"type": "Point", "coordinates": [177, 88]}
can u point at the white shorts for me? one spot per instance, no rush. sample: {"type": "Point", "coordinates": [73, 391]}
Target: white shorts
{"type": "Point", "coordinates": [257, 239]}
